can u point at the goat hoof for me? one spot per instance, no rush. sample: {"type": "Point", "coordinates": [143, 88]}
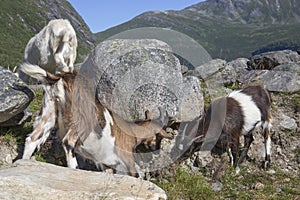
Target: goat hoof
{"type": "Point", "coordinates": [237, 170]}
{"type": "Point", "coordinates": [266, 165]}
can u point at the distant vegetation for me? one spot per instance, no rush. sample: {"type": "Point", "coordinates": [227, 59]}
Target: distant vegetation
{"type": "Point", "coordinates": [226, 35]}
{"type": "Point", "coordinates": [17, 24]}
{"type": "Point", "coordinates": [20, 20]}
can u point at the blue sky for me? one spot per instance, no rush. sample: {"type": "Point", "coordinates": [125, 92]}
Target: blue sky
{"type": "Point", "coordinates": [101, 15]}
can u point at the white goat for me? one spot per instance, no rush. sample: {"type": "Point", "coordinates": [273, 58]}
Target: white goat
{"type": "Point", "coordinates": [52, 50]}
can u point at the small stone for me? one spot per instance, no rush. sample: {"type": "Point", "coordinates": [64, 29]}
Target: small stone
{"type": "Point", "coordinates": [237, 170]}
{"type": "Point", "coordinates": [271, 171]}
{"type": "Point", "coordinates": [288, 123]}
{"type": "Point", "coordinates": [259, 186]}
{"type": "Point", "coordinates": [8, 159]}
{"type": "Point", "coordinates": [278, 190]}
{"type": "Point", "coordinates": [279, 151]}
{"type": "Point", "coordinates": [287, 180]}
{"type": "Point", "coordinates": [217, 186]}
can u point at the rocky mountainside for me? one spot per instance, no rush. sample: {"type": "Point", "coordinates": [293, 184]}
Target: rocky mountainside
{"type": "Point", "coordinates": [208, 175]}
{"type": "Point", "coordinates": [21, 20]}
{"type": "Point", "coordinates": [261, 12]}
{"type": "Point", "coordinates": [228, 29]}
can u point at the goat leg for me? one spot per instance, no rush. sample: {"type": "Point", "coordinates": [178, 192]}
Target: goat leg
{"type": "Point", "coordinates": [248, 140]}
{"type": "Point", "coordinates": [233, 150]}
{"type": "Point", "coordinates": [39, 135]}
{"type": "Point", "coordinates": [267, 142]}
{"type": "Point", "coordinates": [44, 124]}
{"type": "Point", "coordinates": [69, 142]}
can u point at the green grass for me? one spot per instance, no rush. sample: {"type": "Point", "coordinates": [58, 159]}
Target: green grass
{"type": "Point", "coordinates": [35, 105]}
{"type": "Point", "coordinates": [280, 185]}
{"type": "Point", "coordinates": [234, 86]}
{"type": "Point", "coordinates": [16, 135]}
{"type": "Point", "coordinates": [38, 156]}
{"type": "Point", "coordinates": [187, 186]}
{"type": "Point", "coordinates": [206, 96]}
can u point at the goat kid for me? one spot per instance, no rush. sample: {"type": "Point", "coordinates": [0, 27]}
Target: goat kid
{"type": "Point", "coordinates": [110, 144]}
{"type": "Point", "coordinates": [52, 50]}
{"type": "Point", "coordinates": [226, 120]}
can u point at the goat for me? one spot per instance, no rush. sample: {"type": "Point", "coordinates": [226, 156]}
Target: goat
{"type": "Point", "coordinates": [110, 143]}
{"type": "Point", "coordinates": [226, 120]}
{"type": "Point", "coordinates": [52, 50]}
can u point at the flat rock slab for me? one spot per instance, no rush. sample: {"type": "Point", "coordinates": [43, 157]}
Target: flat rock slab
{"type": "Point", "coordinates": [36, 180]}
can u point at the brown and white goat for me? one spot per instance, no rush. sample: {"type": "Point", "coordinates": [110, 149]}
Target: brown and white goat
{"type": "Point", "coordinates": [110, 143]}
{"type": "Point", "coordinates": [52, 50]}
{"type": "Point", "coordinates": [226, 120]}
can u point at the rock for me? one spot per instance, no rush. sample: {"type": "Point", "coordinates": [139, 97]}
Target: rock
{"type": "Point", "coordinates": [15, 96]}
{"type": "Point", "coordinates": [215, 89]}
{"type": "Point", "coordinates": [269, 60]}
{"type": "Point", "coordinates": [288, 123]}
{"type": "Point", "coordinates": [217, 186]}
{"type": "Point", "coordinates": [216, 74]}
{"type": "Point", "coordinates": [278, 190]}
{"type": "Point", "coordinates": [133, 76]}
{"type": "Point", "coordinates": [203, 158]}
{"type": "Point", "coordinates": [271, 171]}
{"type": "Point", "coordinates": [192, 104]}
{"type": "Point", "coordinates": [289, 67]}
{"type": "Point", "coordinates": [206, 70]}
{"type": "Point", "coordinates": [8, 152]}
{"type": "Point", "coordinates": [19, 119]}
{"type": "Point", "coordinates": [274, 81]}
{"type": "Point", "coordinates": [240, 67]}
{"type": "Point", "coordinates": [283, 77]}
{"type": "Point", "coordinates": [258, 186]}
{"type": "Point", "coordinates": [37, 180]}
{"type": "Point", "coordinates": [228, 75]}
{"type": "Point", "coordinates": [257, 148]}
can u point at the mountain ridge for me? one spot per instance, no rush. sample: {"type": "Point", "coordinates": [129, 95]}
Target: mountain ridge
{"type": "Point", "coordinates": [223, 35]}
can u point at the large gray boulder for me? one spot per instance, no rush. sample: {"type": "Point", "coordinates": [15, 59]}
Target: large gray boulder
{"type": "Point", "coordinates": [133, 76]}
{"type": "Point", "coordinates": [275, 81]}
{"type": "Point", "coordinates": [15, 96]}
{"type": "Point", "coordinates": [240, 68]}
{"type": "Point", "coordinates": [272, 59]}
{"type": "Point", "coordinates": [216, 74]}
{"type": "Point", "coordinates": [192, 104]}
{"type": "Point", "coordinates": [289, 67]}
{"type": "Point", "coordinates": [37, 180]}
{"type": "Point", "coordinates": [208, 69]}
{"type": "Point", "coordinates": [282, 77]}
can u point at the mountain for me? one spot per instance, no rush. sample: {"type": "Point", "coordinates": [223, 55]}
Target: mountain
{"type": "Point", "coordinates": [22, 19]}
{"type": "Point", "coordinates": [227, 28]}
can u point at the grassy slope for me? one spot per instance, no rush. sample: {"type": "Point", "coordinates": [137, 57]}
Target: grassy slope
{"type": "Point", "coordinates": [21, 20]}
{"type": "Point", "coordinates": [14, 33]}
{"type": "Point", "coordinates": [221, 39]}
{"type": "Point", "coordinates": [245, 185]}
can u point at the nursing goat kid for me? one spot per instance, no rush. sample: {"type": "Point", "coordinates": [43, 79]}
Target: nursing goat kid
{"type": "Point", "coordinates": [110, 143]}
{"type": "Point", "coordinates": [226, 120]}
{"type": "Point", "coordinates": [52, 50]}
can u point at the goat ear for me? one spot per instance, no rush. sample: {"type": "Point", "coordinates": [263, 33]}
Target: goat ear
{"type": "Point", "coordinates": [51, 78]}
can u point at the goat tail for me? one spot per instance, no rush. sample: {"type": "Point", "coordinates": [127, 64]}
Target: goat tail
{"type": "Point", "coordinates": [33, 71]}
